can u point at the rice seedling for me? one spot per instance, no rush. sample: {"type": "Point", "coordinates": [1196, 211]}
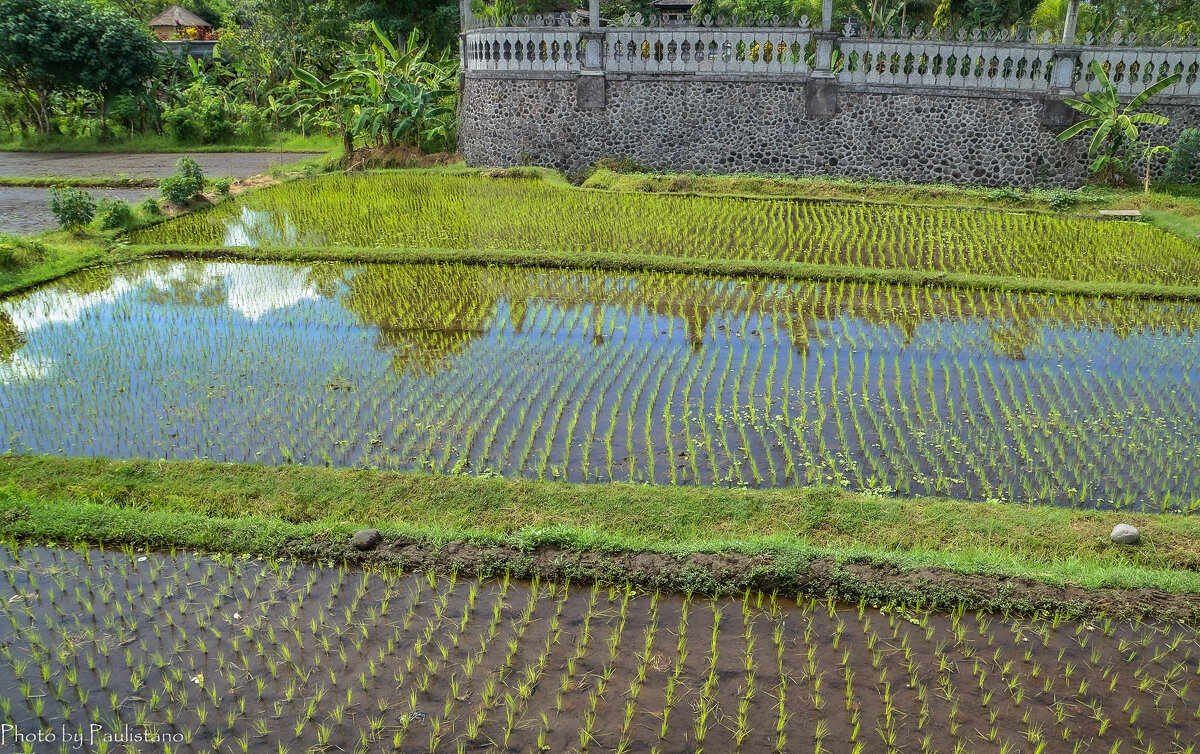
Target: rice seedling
{"type": "Point", "coordinates": [466, 212]}
{"type": "Point", "coordinates": [585, 376]}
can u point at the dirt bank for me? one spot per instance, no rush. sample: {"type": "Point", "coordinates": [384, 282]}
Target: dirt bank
{"type": "Point", "coordinates": [147, 165]}
{"type": "Point", "coordinates": [732, 573]}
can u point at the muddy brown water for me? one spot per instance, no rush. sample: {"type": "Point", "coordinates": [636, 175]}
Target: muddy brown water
{"type": "Point", "coordinates": [139, 165]}
{"type": "Point", "coordinates": [27, 210]}
{"type": "Point", "coordinates": [243, 655]}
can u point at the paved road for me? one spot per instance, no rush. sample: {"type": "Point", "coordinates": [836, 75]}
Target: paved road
{"type": "Point", "coordinates": [148, 165]}
{"type": "Point", "coordinates": [27, 210]}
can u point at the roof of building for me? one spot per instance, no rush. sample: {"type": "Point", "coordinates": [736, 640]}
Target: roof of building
{"type": "Point", "coordinates": [679, 4]}
{"type": "Point", "coordinates": [176, 16]}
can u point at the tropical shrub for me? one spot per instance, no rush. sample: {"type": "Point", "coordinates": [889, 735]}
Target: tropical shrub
{"type": "Point", "coordinates": [71, 207]}
{"type": "Point", "coordinates": [1062, 200]}
{"type": "Point", "coordinates": [1184, 166]}
{"type": "Point", "coordinates": [187, 182]}
{"type": "Point", "coordinates": [149, 207]}
{"type": "Point", "coordinates": [204, 122]}
{"type": "Point", "coordinates": [115, 214]}
{"type": "Point", "coordinates": [251, 124]}
{"type": "Point", "coordinates": [222, 185]}
{"type": "Point", "coordinates": [390, 94]}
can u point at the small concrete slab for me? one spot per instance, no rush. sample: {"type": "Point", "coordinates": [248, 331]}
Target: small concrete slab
{"type": "Point", "coordinates": [1120, 213]}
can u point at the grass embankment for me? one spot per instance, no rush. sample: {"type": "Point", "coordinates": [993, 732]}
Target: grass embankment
{"type": "Point", "coordinates": [52, 257]}
{"type": "Point", "coordinates": [78, 182]}
{"type": "Point", "coordinates": [660, 263]}
{"type": "Point", "coordinates": [288, 142]}
{"type": "Point", "coordinates": [279, 511]}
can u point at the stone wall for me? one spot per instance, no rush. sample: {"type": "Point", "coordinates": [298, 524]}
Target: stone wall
{"type": "Point", "coordinates": [764, 124]}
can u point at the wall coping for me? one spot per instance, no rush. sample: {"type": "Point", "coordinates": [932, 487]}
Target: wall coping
{"type": "Point", "coordinates": [800, 79]}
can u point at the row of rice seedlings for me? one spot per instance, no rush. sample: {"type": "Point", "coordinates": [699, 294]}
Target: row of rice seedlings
{"type": "Point", "coordinates": [647, 378]}
{"type": "Point", "coordinates": [227, 654]}
{"type": "Point", "coordinates": [464, 212]}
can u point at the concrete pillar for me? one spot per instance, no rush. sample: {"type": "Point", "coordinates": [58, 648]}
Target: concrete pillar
{"type": "Point", "coordinates": [592, 87]}
{"type": "Point", "coordinates": [1055, 114]}
{"type": "Point", "coordinates": [824, 61]}
{"type": "Point", "coordinates": [1071, 22]}
{"type": "Point", "coordinates": [464, 21]}
{"type": "Point", "coordinates": [821, 90]}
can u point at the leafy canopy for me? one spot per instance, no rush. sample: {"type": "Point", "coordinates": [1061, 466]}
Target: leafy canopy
{"type": "Point", "coordinates": [56, 44]}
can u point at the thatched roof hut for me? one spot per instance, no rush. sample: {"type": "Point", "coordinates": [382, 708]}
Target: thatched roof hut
{"type": "Point", "coordinates": [168, 23]}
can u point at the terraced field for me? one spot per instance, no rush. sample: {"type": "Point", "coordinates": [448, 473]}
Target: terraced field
{"type": "Point", "coordinates": [468, 212]}
{"type": "Point", "coordinates": [590, 377]}
{"type": "Point", "coordinates": [201, 654]}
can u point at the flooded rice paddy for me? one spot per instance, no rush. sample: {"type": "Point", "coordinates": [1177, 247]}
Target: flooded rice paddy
{"type": "Point", "coordinates": [139, 164]}
{"type": "Point", "coordinates": [27, 210]}
{"type": "Point", "coordinates": [198, 654]}
{"type": "Point", "coordinates": [470, 212]}
{"type": "Point", "coordinates": [660, 378]}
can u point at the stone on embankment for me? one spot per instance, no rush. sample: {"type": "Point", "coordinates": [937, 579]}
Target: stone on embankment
{"type": "Point", "coordinates": [366, 539]}
{"type": "Point", "coordinates": [1124, 534]}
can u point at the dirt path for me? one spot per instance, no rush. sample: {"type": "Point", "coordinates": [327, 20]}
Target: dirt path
{"type": "Point", "coordinates": [148, 165]}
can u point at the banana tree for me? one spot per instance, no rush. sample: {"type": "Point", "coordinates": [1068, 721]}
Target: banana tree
{"type": "Point", "coordinates": [330, 103]}
{"type": "Point", "coordinates": [400, 89]}
{"type": "Point", "coordinates": [1115, 129]}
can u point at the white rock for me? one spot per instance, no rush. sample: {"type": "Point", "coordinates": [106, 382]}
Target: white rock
{"type": "Point", "coordinates": [1124, 534]}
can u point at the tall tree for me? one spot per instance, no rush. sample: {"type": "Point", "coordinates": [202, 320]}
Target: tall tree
{"type": "Point", "coordinates": [58, 45]}
{"type": "Point", "coordinates": [437, 20]}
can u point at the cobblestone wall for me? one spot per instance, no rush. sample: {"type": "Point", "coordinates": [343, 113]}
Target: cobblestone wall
{"type": "Point", "coordinates": [715, 124]}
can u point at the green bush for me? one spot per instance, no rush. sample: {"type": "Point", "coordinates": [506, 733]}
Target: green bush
{"type": "Point", "coordinates": [610, 163]}
{"type": "Point", "coordinates": [176, 190]}
{"type": "Point", "coordinates": [149, 208]}
{"type": "Point", "coordinates": [620, 165]}
{"type": "Point", "coordinates": [252, 125]}
{"type": "Point", "coordinates": [222, 185]}
{"type": "Point", "coordinates": [524, 174]}
{"type": "Point", "coordinates": [115, 214]}
{"type": "Point", "coordinates": [1062, 200]}
{"type": "Point", "coordinates": [187, 167]}
{"type": "Point", "coordinates": [17, 252]}
{"type": "Point", "coordinates": [203, 122]}
{"type": "Point", "coordinates": [1005, 194]}
{"type": "Point", "coordinates": [71, 207]}
{"type": "Point", "coordinates": [1183, 163]}
{"type": "Point", "coordinates": [185, 184]}
{"type": "Point", "coordinates": [124, 109]}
